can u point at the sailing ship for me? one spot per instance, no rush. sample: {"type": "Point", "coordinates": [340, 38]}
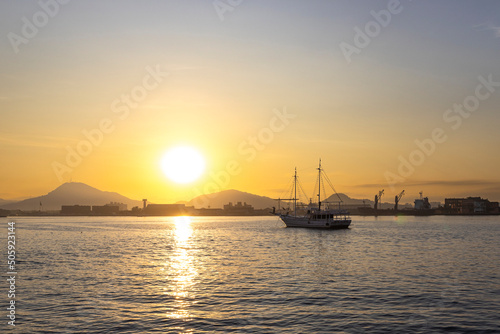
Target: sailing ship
{"type": "Point", "coordinates": [316, 217]}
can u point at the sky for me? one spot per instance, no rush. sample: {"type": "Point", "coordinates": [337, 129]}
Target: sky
{"type": "Point", "coordinates": [389, 94]}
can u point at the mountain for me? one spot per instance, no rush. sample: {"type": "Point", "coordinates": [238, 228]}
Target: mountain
{"type": "Point", "coordinates": [218, 200]}
{"type": "Point", "coordinates": [71, 193]}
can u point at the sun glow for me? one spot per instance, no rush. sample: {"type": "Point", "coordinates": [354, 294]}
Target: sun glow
{"type": "Point", "coordinates": [183, 164]}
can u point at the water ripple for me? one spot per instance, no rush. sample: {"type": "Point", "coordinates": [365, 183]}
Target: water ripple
{"type": "Point", "coordinates": [251, 275]}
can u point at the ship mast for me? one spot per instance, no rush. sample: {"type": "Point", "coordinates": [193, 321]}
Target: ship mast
{"type": "Point", "coordinates": [319, 186]}
{"type": "Point", "coordinates": [295, 193]}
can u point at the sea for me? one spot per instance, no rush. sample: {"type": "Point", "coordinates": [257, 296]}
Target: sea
{"type": "Point", "coordinates": [437, 274]}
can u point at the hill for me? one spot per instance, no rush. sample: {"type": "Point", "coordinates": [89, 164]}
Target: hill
{"type": "Point", "coordinates": [384, 205]}
{"type": "Point", "coordinates": [359, 202]}
{"type": "Point", "coordinates": [349, 201]}
{"type": "Point", "coordinates": [71, 193]}
{"type": "Point", "coordinates": [218, 200]}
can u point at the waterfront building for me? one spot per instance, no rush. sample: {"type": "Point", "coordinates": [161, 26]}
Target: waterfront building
{"type": "Point", "coordinates": [470, 206]}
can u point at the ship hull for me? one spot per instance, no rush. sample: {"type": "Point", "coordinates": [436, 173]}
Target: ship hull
{"type": "Point", "coordinates": [306, 222]}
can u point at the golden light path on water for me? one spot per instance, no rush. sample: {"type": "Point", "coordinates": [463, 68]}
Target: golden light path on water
{"type": "Point", "coordinates": [180, 269]}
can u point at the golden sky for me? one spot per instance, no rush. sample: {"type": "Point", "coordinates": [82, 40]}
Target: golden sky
{"type": "Point", "coordinates": [264, 87]}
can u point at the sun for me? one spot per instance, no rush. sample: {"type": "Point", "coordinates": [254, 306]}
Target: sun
{"type": "Point", "coordinates": [183, 164]}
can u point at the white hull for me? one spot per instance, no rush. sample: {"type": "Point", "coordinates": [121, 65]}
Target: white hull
{"type": "Point", "coordinates": [293, 221]}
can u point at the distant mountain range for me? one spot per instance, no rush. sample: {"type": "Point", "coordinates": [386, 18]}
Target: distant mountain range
{"type": "Point", "coordinates": [218, 200]}
{"type": "Point", "coordinates": [71, 193]}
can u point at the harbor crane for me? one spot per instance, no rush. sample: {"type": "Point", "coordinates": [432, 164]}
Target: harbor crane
{"type": "Point", "coordinates": [378, 199]}
{"type": "Point", "coordinates": [397, 199]}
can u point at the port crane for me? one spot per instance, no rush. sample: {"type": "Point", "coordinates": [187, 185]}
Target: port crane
{"type": "Point", "coordinates": [378, 198]}
{"type": "Point", "coordinates": [397, 199]}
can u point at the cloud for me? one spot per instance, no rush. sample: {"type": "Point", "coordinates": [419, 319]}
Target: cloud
{"type": "Point", "coordinates": [33, 141]}
{"type": "Point", "coordinates": [489, 27]}
{"type": "Point", "coordinates": [456, 183]}
{"type": "Point", "coordinates": [455, 188]}
{"type": "Point", "coordinates": [497, 31]}
{"type": "Point", "coordinates": [451, 183]}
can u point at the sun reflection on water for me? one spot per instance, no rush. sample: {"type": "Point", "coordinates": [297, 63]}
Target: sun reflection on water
{"type": "Point", "coordinates": [183, 229]}
{"type": "Point", "coordinates": [180, 269]}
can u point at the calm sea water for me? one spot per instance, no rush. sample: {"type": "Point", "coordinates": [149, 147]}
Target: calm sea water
{"type": "Point", "coordinates": [252, 275]}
